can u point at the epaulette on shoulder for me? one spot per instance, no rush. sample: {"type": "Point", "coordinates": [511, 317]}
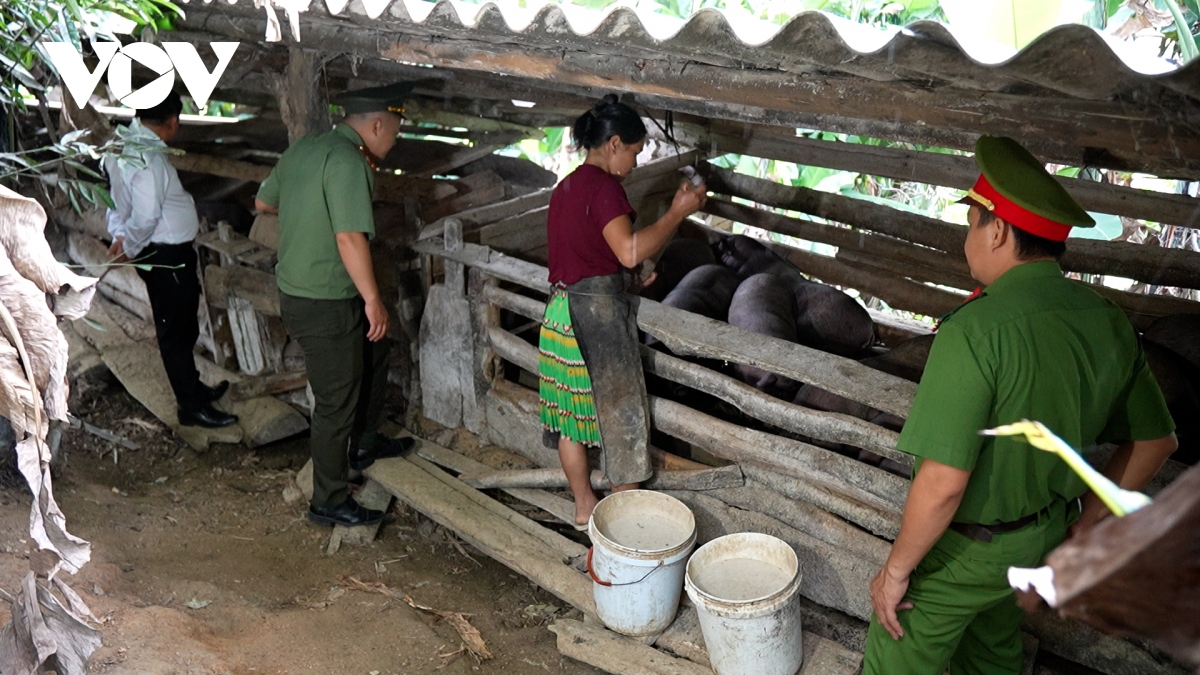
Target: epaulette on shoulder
{"type": "Point", "coordinates": [975, 295]}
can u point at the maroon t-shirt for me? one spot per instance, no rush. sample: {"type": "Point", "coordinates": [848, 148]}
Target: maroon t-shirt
{"type": "Point", "coordinates": [582, 204]}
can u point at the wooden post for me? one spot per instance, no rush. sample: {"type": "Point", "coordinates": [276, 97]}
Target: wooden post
{"type": "Point", "coordinates": [486, 365]}
{"type": "Point", "coordinates": [302, 101]}
{"type": "Point", "coordinates": [447, 351]}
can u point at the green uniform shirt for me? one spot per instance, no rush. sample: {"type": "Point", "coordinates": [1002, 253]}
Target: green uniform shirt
{"type": "Point", "coordinates": [1034, 346]}
{"type": "Point", "coordinates": [322, 185]}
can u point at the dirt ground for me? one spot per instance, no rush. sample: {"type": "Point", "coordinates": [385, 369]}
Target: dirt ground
{"type": "Point", "coordinates": [200, 566]}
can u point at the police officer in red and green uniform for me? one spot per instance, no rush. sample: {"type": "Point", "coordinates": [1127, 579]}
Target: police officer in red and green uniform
{"type": "Point", "coordinates": [1033, 345]}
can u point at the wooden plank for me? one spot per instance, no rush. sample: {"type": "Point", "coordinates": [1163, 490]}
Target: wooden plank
{"type": "Point", "coordinates": [703, 479]}
{"type": "Point", "coordinates": [484, 529]}
{"type": "Point", "coordinates": [613, 653]}
{"type": "Point", "coordinates": [569, 550]}
{"type": "Point", "coordinates": [445, 353]}
{"type": "Point", "coordinates": [556, 506]}
{"type": "Point", "coordinates": [93, 255]}
{"type": "Point", "coordinates": [897, 291]}
{"type": "Point", "coordinates": [936, 168]}
{"type": "Point", "coordinates": [821, 656]}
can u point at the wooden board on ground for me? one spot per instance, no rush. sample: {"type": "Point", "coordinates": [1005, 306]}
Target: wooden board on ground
{"type": "Point", "coordinates": [138, 366]}
{"type": "Point", "coordinates": [613, 653]}
{"type": "Point", "coordinates": [445, 500]}
{"type": "Point", "coordinates": [554, 505]}
{"type": "Point", "coordinates": [821, 656]}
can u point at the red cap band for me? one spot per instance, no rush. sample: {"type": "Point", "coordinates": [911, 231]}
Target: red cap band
{"type": "Point", "coordinates": [1015, 214]}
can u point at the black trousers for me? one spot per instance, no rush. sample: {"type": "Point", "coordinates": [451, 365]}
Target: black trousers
{"type": "Point", "coordinates": [348, 374]}
{"type": "Point", "coordinates": [174, 290]}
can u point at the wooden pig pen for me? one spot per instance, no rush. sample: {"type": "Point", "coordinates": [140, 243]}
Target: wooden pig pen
{"type": "Point", "coordinates": [463, 241]}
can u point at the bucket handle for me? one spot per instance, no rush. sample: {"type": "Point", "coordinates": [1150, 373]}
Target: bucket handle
{"type": "Point", "coordinates": [598, 580]}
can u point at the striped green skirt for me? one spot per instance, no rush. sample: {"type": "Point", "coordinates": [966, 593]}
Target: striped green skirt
{"type": "Point", "coordinates": [567, 405]}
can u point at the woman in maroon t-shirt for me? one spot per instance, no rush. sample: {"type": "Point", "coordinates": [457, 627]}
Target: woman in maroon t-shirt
{"type": "Point", "coordinates": [592, 390]}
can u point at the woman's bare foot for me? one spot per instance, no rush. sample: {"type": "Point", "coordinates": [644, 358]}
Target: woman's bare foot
{"type": "Point", "coordinates": [584, 508]}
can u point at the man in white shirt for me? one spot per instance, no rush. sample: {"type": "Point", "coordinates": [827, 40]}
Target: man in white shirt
{"type": "Point", "coordinates": [154, 223]}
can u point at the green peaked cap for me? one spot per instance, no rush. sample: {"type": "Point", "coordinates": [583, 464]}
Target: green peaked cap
{"type": "Point", "coordinates": [388, 98]}
{"type": "Point", "coordinates": [1019, 176]}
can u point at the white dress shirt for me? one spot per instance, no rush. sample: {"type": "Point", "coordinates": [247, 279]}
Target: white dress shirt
{"type": "Point", "coordinates": [151, 204]}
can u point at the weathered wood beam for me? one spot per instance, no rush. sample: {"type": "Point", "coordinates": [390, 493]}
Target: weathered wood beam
{"type": "Point", "coordinates": [429, 490]}
{"type": "Point", "coordinates": [883, 265]}
{"type": "Point", "coordinates": [617, 654]}
{"type": "Point", "coordinates": [220, 166]}
{"type": "Point", "coordinates": [613, 653]}
{"type": "Point", "coordinates": [856, 491]}
{"type": "Point", "coordinates": [825, 426]}
{"type": "Point", "coordinates": [569, 550]}
{"type": "Point", "coordinates": [956, 171]}
{"type": "Point", "coordinates": [907, 270]}
{"type": "Point", "coordinates": [862, 243]}
{"type": "Point", "coordinates": [1167, 267]}
{"type": "Point", "coordinates": [702, 479]}
{"type": "Point", "coordinates": [302, 102]}
{"type": "Point", "coordinates": [554, 505]}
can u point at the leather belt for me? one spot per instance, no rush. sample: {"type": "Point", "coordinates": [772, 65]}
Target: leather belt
{"type": "Point", "coordinates": [984, 533]}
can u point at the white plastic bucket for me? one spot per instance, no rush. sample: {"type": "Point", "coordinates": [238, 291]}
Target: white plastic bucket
{"type": "Point", "coordinates": [744, 588]}
{"type": "Point", "coordinates": [640, 543]}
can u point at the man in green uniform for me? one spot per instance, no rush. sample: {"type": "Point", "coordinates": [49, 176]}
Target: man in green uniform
{"type": "Point", "coordinates": [1033, 345]}
{"type": "Point", "coordinates": [321, 189]}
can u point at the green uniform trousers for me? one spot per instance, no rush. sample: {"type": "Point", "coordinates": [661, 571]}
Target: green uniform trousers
{"type": "Point", "coordinates": [965, 616]}
{"type": "Point", "coordinates": [348, 376]}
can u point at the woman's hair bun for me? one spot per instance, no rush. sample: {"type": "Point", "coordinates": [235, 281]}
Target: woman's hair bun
{"type": "Point", "coordinates": [607, 118]}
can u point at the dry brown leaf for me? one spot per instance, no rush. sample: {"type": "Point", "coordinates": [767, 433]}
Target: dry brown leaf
{"type": "Point", "coordinates": [471, 638]}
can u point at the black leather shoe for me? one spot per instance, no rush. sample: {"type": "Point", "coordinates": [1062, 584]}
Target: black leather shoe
{"type": "Point", "coordinates": [361, 458]}
{"type": "Point", "coordinates": [349, 513]}
{"type": "Point", "coordinates": [207, 416]}
{"type": "Point", "coordinates": [216, 392]}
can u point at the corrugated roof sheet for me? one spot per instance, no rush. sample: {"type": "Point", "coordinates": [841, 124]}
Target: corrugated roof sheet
{"type": "Point", "coordinates": [1074, 60]}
